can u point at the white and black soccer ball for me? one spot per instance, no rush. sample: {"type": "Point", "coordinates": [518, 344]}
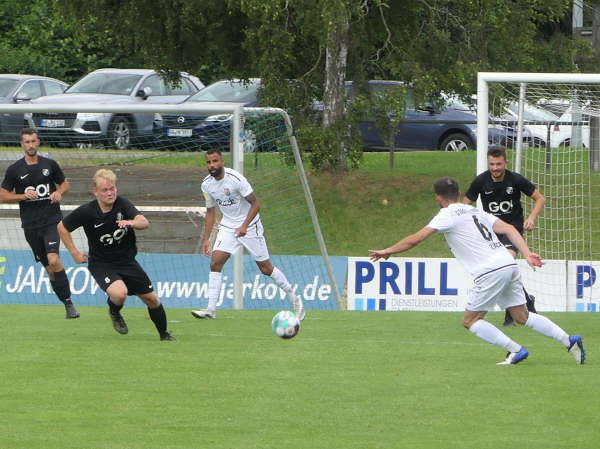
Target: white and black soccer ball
{"type": "Point", "coordinates": [285, 324]}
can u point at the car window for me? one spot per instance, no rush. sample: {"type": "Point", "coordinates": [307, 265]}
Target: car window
{"type": "Point", "coordinates": [183, 88]}
{"type": "Point", "coordinates": [156, 83]}
{"type": "Point", "coordinates": [6, 86]}
{"type": "Point", "coordinates": [531, 113]}
{"type": "Point", "coordinates": [31, 89]}
{"type": "Point", "coordinates": [53, 88]}
{"type": "Point", "coordinates": [105, 83]}
{"type": "Point", "coordinates": [234, 91]}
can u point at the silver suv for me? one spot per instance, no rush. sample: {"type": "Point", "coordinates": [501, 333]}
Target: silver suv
{"type": "Point", "coordinates": [110, 86]}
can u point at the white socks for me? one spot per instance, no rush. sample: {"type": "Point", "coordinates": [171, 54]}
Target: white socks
{"type": "Point", "coordinates": [281, 281]}
{"type": "Point", "coordinates": [490, 333]}
{"type": "Point", "coordinates": [214, 288]}
{"type": "Point", "coordinates": [546, 327]}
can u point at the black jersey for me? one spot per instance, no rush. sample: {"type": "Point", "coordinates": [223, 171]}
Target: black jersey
{"type": "Point", "coordinates": [42, 177]}
{"type": "Point", "coordinates": [107, 242]}
{"type": "Point", "coordinates": [502, 199]}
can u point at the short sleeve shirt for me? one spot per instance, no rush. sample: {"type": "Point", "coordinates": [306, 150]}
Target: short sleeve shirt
{"type": "Point", "coordinates": [107, 242]}
{"type": "Point", "coordinates": [42, 177]}
{"type": "Point", "coordinates": [502, 199]}
{"type": "Point", "coordinates": [229, 194]}
{"type": "Point", "coordinates": [470, 236]}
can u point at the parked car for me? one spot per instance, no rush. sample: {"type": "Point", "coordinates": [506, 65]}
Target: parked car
{"type": "Point", "coordinates": [537, 122]}
{"type": "Point", "coordinates": [111, 86]}
{"type": "Point", "coordinates": [449, 126]}
{"type": "Point", "coordinates": [193, 131]}
{"type": "Point", "coordinates": [22, 89]}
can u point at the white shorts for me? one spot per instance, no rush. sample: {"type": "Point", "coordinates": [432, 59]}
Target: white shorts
{"type": "Point", "coordinates": [502, 287]}
{"type": "Point", "coordinates": [253, 241]}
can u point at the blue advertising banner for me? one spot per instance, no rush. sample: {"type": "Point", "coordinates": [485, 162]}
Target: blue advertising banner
{"type": "Point", "coordinates": [180, 280]}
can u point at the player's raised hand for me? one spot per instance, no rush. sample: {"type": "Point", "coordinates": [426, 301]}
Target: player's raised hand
{"type": "Point", "coordinates": [534, 260]}
{"type": "Point", "coordinates": [376, 254]}
{"type": "Point", "coordinates": [125, 223]}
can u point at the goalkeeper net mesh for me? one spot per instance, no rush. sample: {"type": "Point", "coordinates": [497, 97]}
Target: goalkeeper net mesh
{"type": "Point", "coordinates": [160, 170]}
{"type": "Point", "coordinates": [560, 154]}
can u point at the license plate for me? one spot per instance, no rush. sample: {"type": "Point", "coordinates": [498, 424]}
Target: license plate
{"type": "Point", "coordinates": [52, 123]}
{"type": "Point", "coordinates": [179, 132]}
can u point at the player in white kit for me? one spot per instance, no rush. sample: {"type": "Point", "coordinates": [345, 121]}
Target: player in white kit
{"type": "Point", "coordinates": [239, 226]}
{"type": "Point", "coordinates": [471, 236]}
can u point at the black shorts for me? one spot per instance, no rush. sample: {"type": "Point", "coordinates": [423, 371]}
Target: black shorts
{"type": "Point", "coordinates": [503, 238]}
{"type": "Point", "coordinates": [43, 241]}
{"type": "Point", "coordinates": [131, 273]}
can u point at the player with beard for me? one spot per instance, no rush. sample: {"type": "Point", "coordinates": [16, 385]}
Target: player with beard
{"type": "Point", "coordinates": [240, 226]}
{"type": "Point", "coordinates": [472, 236]}
{"type": "Point", "coordinates": [39, 184]}
{"type": "Point", "coordinates": [109, 223]}
{"type": "Point", "coordinates": [500, 192]}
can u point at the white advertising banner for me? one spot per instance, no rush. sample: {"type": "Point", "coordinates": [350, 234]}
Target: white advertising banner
{"type": "Point", "coordinates": [439, 284]}
{"type": "Point", "coordinates": [407, 284]}
{"type": "Point", "coordinates": [583, 286]}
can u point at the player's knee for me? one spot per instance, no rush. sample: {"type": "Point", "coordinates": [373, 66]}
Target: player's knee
{"type": "Point", "coordinates": [54, 264]}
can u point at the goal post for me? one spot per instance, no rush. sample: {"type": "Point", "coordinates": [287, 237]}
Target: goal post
{"type": "Point", "coordinates": [556, 116]}
{"type": "Point", "coordinates": [259, 142]}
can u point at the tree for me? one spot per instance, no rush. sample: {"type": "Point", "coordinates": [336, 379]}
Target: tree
{"type": "Point", "coordinates": [439, 45]}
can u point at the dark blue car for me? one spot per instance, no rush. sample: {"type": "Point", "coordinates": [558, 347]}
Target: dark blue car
{"type": "Point", "coordinates": [200, 131]}
{"type": "Point", "coordinates": [448, 128]}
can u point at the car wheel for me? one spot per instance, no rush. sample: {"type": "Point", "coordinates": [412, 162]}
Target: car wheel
{"type": "Point", "coordinates": [457, 142]}
{"type": "Point", "coordinates": [119, 133]}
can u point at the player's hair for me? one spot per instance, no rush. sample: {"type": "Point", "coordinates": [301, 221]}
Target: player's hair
{"type": "Point", "coordinates": [447, 188]}
{"type": "Point", "coordinates": [104, 173]}
{"type": "Point", "coordinates": [497, 151]}
{"type": "Point", "coordinates": [214, 151]}
{"type": "Point", "coordinates": [28, 132]}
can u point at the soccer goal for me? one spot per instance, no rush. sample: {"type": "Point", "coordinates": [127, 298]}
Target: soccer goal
{"type": "Point", "coordinates": [555, 118]}
{"type": "Point", "coordinates": [157, 152]}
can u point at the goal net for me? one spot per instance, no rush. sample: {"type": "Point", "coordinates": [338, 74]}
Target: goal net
{"type": "Point", "coordinates": [157, 152]}
{"type": "Point", "coordinates": [555, 117]}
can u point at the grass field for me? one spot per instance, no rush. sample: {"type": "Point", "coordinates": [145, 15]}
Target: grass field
{"type": "Point", "coordinates": [348, 380]}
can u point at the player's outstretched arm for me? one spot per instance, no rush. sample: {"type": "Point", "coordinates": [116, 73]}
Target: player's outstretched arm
{"type": "Point", "coordinates": [66, 238]}
{"type": "Point", "coordinates": [540, 202]}
{"type": "Point", "coordinates": [501, 227]}
{"type": "Point", "coordinates": [403, 245]}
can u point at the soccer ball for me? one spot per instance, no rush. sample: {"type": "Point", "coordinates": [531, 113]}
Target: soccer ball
{"type": "Point", "coordinates": [285, 324]}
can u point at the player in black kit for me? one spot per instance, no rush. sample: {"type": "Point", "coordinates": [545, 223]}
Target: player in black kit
{"type": "Point", "coordinates": [500, 191]}
{"type": "Point", "coordinates": [109, 222]}
{"type": "Point", "coordinates": [39, 184]}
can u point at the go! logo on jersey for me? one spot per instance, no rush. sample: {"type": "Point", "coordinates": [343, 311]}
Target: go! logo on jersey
{"type": "Point", "coordinates": [42, 190]}
{"type": "Point", "coordinates": [115, 237]}
{"type": "Point", "coordinates": [502, 206]}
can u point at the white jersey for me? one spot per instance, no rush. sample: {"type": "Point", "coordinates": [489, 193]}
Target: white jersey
{"type": "Point", "coordinates": [229, 194]}
{"type": "Point", "coordinates": [471, 238]}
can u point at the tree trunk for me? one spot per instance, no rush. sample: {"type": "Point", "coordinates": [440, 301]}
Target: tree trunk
{"type": "Point", "coordinates": [335, 76]}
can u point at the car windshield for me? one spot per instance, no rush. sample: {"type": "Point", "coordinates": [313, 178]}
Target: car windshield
{"type": "Point", "coordinates": [105, 83]}
{"type": "Point", "coordinates": [6, 86]}
{"type": "Point", "coordinates": [231, 91]}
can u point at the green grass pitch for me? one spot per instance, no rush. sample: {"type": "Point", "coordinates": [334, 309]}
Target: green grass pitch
{"type": "Point", "coordinates": [363, 380]}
